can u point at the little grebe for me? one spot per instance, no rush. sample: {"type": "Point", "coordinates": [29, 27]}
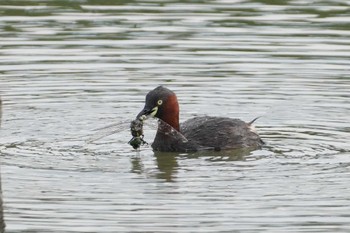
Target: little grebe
{"type": "Point", "coordinates": [199, 133]}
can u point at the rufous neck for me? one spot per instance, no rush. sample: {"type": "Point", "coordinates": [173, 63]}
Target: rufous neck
{"type": "Point", "coordinates": [171, 112]}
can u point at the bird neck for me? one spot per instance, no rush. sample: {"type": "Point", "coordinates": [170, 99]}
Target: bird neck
{"type": "Point", "coordinates": [171, 110]}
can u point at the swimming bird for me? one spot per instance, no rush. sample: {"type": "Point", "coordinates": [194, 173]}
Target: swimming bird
{"type": "Point", "coordinates": [198, 133]}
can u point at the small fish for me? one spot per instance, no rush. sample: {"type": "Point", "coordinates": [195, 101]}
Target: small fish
{"type": "Point", "coordinates": [136, 128]}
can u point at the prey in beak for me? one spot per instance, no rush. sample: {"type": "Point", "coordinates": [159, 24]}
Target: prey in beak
{"type": "Point", "coordinates": [136, 126]}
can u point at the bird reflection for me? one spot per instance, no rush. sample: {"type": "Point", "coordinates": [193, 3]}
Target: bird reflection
{"type": "Point", "coordinates": [167, 163]}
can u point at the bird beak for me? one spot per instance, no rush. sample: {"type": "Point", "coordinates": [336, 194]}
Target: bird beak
{"type": "Point", "coordinates": [146, 112]}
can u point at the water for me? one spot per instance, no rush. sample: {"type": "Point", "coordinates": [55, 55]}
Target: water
{"type": "Point", "coordinates": [70, 67]}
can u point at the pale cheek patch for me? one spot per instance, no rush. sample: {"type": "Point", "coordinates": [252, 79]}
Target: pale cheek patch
{"type": "Point", "coordinates": [154, 111]}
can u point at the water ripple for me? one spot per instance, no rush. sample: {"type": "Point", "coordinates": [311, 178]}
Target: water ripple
{"type": "Point", "coordinates": [70, 67]}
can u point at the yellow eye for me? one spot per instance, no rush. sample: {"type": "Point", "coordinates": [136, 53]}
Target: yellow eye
{"type": "Point", "coordinates": [160, 102]}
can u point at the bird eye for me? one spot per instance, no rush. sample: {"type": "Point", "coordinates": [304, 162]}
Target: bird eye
{"type": "Point", "coordinates": [160, 102]}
